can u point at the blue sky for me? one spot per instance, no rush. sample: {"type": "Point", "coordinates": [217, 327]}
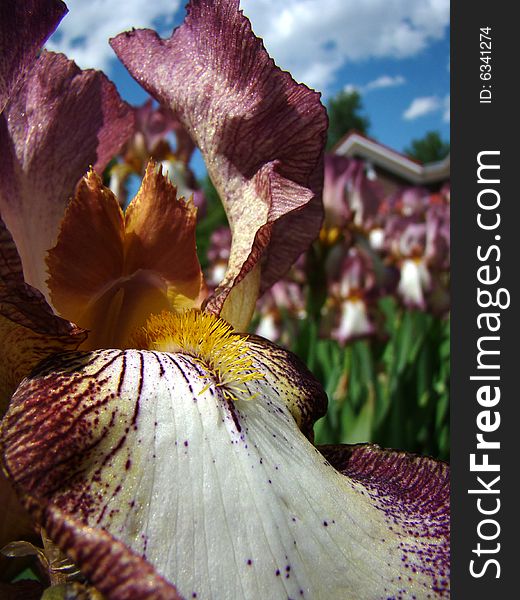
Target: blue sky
{"type": "Point", "coordinates": [394, 52]}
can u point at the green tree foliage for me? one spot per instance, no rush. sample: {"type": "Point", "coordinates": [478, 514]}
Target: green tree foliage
{"type": "Point", "coordinates": [429, 148]}
{"type": "Point", "coordinates": [345, 113]}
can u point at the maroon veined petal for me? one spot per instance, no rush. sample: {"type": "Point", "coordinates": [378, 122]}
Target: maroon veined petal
{"type": "Point", "coordinates": [24, 27]}
{"type": "Point", "coordinates": [412, 492]}
{"type": "Point", "coordinates": [111, 566]}
{"type": "Point", "coordinates": [29, 330]}
{"type": "Point", "coordinates": [19, 302]}
{"type": "Point", "coordinates": [61, 121]}
{"type": "Point", "coordinates": [261, 134]}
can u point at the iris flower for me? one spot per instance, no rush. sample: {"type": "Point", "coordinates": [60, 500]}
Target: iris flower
{"type": "Point", "coordinates": [166, 453]}
{"type": "Point", "coordinates": [152, 125]}
{"type": "Point", "coordinates": [352, 292]}
{"type": "Point", "coordinates": [417, 236]}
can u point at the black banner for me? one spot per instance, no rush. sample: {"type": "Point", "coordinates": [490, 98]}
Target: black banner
{"type": "Point", "coordinates": [485, 242]}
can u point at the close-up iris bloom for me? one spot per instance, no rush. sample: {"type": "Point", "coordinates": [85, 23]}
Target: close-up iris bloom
{"type": "Point", "coordinates": [146, 435]}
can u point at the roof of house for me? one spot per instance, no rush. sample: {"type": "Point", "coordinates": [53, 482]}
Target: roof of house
{"type": "Point", "coordinates": [417, 173]}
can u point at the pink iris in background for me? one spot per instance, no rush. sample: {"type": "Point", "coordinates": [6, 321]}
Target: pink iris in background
{"type": "Point", "coordinates": [164, 451]}
{"type": "Point", "coordinates": [378, 245]}
{"type": "Point", "coordinates": [150, 140]}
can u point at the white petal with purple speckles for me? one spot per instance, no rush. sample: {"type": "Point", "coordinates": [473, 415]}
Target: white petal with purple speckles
{"type": "Point", "coordinates": [225, 499]}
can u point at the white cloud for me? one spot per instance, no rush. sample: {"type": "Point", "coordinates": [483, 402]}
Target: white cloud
{"type": "Point", "coordinates": [422, 106]}
{"type": "Point", "coordinates": [427, 105]}
{"type": "Point", "coordinates": [385, 81]}
{"type": "Point", "coordinates": [313, 39]}
{"type": "Point", "coordinates": [84, 32]}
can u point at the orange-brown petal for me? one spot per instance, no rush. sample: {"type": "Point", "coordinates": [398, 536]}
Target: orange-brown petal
{"type": "Point", "coordinates": [109, 271]}
{"type": "Point", "coordinates": [89, 253]}
{"type": "Point", "coordinates": [160, 234]}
